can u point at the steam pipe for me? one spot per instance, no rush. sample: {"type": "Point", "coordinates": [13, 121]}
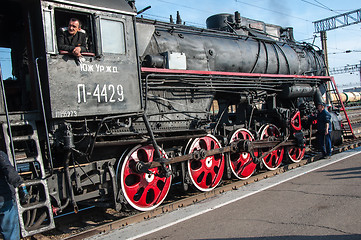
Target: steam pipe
{"type": "Point", "coordinates": [317, 98]}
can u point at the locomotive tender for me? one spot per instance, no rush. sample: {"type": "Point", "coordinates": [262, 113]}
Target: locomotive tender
{"type": "Point", "coordinates": [153, 103]}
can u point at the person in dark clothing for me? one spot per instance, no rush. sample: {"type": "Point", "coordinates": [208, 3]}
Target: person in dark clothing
{"type": "Point", "coordinates": [324, 129]}
{"type": "Point", "coordinates": [72, 38]}
{"type": "Point", "coordinates": [9, 179]}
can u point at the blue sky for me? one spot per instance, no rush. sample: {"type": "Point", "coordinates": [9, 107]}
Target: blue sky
{"type": "Point", "coordinates": [5, 62]}
{"type": "Point", "coordinates": [298, 14]}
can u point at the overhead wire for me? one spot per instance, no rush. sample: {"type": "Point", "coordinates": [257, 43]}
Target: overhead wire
{"type": "Point", "coordinates": [184, 6]}
{"type": "Point", "coordinates": [332, 10]}
{"type": "Point", "coordinates": [313, 4]}
{"type": "Point", "coordinates": [323, 6]}
{"type": "Point", "coordinates": [269, 10]}
{"type": "Point", "coordinates": [249, 4]}
{"type": "Point", "coordinates": [238, 1]}
{"type": "Point", "coordinates": [167, 19]}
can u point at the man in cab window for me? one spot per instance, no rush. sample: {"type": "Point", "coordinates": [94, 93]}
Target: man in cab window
{"type": "Point", "coordinates": [72, 38]}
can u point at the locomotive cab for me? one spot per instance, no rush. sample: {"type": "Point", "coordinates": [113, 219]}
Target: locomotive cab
{"type": "Point", "coordinates": [106, 78]}
{"type": "Point", "coordinates": [106, 81]}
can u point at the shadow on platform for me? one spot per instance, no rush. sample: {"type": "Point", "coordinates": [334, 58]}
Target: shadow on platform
{"type": "Point", "coordinates": [344, 173]}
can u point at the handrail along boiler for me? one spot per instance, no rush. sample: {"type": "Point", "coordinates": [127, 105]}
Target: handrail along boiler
{"type": "Point", "coordinates": [153, 103]}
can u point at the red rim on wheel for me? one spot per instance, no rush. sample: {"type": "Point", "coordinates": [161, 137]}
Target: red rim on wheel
{"type": "Point", "coordinates": [296, 154]}
{"type": "Point", "coordinates": [242, 164]}
{"type": "Point", "coordinates": [273, 160]}
{"type": "Point", "coordinates": [206, 173]}
{"type": "Point", "coordinates": [143, 191]}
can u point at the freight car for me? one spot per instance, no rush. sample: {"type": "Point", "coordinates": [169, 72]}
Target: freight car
{"type": "Point", "coordinates": [347, 97]}
{"type": "Point", "coordinates": [151, 103]}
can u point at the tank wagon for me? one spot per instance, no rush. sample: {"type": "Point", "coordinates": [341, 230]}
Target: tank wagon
{"type": "Point", "coordinates": [152, 104]}
{"type": "Point", "coordinates": [347, 97]}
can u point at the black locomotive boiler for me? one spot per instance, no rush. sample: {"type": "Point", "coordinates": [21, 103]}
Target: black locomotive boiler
{"type": "Point", "coordinates": [153, 103]}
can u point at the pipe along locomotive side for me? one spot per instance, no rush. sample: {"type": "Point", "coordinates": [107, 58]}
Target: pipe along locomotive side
{"type": "Point", "coordinates": [153, 103]}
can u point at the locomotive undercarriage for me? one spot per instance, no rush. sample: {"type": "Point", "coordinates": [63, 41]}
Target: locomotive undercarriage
{"type": "Point", "coordinates": [97, 182]}
{"type": "Point", "coordinates": [231, 137]}
{"type": "Point", "coordinates": [205, 126]}
{"type": "Point", "coordinates": [234, 127]}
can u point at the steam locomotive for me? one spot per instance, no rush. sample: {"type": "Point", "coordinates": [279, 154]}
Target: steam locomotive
{"type": "Point", "coordinates": [154, 103]}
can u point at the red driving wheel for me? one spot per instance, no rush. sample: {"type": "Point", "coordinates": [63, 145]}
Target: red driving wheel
{"type": "Point", "coordinates": [296, 154]}
{"type": "Point", "coordinates": [205, 173]}
{"type": "Point", "coordinates": [143, 191]}
{"type": "Point", "coordinates": [274, 159]}
{"type": "Point", "coordinates": [242, 164]}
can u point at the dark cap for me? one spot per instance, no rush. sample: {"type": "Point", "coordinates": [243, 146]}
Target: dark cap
{"type": "Point", "coordinates": [322, 103]}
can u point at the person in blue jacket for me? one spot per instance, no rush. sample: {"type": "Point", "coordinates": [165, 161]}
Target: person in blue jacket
{"type": "Point", "coordinates": [324, 129]}
{"type": "Point", "coordinates": [9, 179]}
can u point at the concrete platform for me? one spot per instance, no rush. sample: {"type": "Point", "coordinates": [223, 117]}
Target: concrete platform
{"type": "Point", "coordinates": [321, 200]}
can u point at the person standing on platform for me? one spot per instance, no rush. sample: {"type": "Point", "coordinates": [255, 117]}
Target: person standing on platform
{"type": "Point", "coordinates": [9, 179]}
{"type": "Point", "coordinates": [324, 129]}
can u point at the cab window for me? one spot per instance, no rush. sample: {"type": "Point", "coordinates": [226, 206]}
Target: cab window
{"type": "Point", "coordinates": [62, 18]}
{"type": "Point", "coordinates": [112, 35]}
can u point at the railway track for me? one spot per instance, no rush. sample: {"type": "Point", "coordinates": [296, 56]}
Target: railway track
{"type": "Point", "coordinates": [93, 221]}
